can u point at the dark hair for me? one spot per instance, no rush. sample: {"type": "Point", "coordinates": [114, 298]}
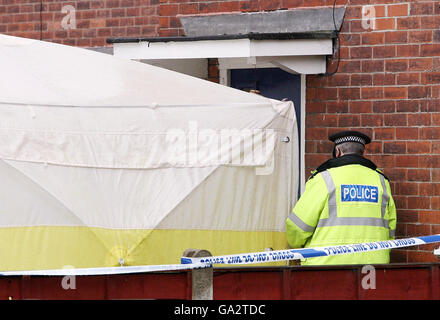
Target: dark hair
{"type": "Point", "coordinates": [351, 147]}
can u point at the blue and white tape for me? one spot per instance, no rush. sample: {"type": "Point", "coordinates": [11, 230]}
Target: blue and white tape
{"type": "Point", "coordinates": [300, 254]}
{"type": "Point", "coordinates": [237, 259]}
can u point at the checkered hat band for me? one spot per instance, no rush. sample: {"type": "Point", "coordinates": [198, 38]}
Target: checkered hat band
{"type": "Point", "coordinates": [350, 139]}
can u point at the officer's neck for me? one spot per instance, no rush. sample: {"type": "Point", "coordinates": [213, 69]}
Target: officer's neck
{"type": "Point", "coordinates": [349, 154]}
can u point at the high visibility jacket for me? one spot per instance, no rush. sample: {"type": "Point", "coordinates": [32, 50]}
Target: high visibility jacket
{"type": "Point", "coordinates": [346, 201]}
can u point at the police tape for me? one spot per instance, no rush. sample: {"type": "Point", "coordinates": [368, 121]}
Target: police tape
{"type": "Point", "coordinates": [105, 270]}
{"type": "Point", "coordinates": [188, 263]}
{"type": "Point", "coordinates": [304, 253]}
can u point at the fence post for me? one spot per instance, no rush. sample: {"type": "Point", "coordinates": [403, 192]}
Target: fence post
{"type": "Point", "coordinates": [202, 286]}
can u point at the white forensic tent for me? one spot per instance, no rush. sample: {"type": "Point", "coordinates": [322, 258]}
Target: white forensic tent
{"type": "Point", "coordinates": [106, 161]}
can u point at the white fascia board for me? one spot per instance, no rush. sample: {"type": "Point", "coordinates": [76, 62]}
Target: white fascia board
{"type": "Point", "coordinates": [233, 48]}
{"type": "Point", "coordinates": [299, 47]}
{"type": "Point", "coordinates": [184, 49]}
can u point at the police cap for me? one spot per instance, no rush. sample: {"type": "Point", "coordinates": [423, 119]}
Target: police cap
{"type": "Point", "coordinates": [349, 136]}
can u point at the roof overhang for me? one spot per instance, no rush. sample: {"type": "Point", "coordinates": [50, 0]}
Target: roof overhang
{"type": "Point", "coordinates": [276, 44]}
{"type": "Point", "coordinates": [250, 49]}
{"type": "Point", "coordinates": [239, 46]}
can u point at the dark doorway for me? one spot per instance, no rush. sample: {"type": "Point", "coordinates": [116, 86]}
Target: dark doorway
{"type": "Point", "coordinates": [272, 83]}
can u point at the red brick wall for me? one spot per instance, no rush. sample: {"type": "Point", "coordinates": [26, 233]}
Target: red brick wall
{"type": "Point", "coordinates": [96, 20]}
{"type": "Point", "coordinates": [387, 84]}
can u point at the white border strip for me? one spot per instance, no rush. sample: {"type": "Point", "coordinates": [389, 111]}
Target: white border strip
{"type": "Point", "coordinates": [105, 271]}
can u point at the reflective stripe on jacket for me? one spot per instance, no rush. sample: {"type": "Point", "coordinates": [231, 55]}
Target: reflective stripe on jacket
{"type": "Point", "coordinates": [344, 205]}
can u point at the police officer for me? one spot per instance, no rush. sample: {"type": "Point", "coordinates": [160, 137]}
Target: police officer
{"type": "Point", "coordinates": [347, 200]}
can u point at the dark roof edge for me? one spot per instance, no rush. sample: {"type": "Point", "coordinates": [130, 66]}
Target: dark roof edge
{"type": "Point", "coordinates": [251, 36]}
